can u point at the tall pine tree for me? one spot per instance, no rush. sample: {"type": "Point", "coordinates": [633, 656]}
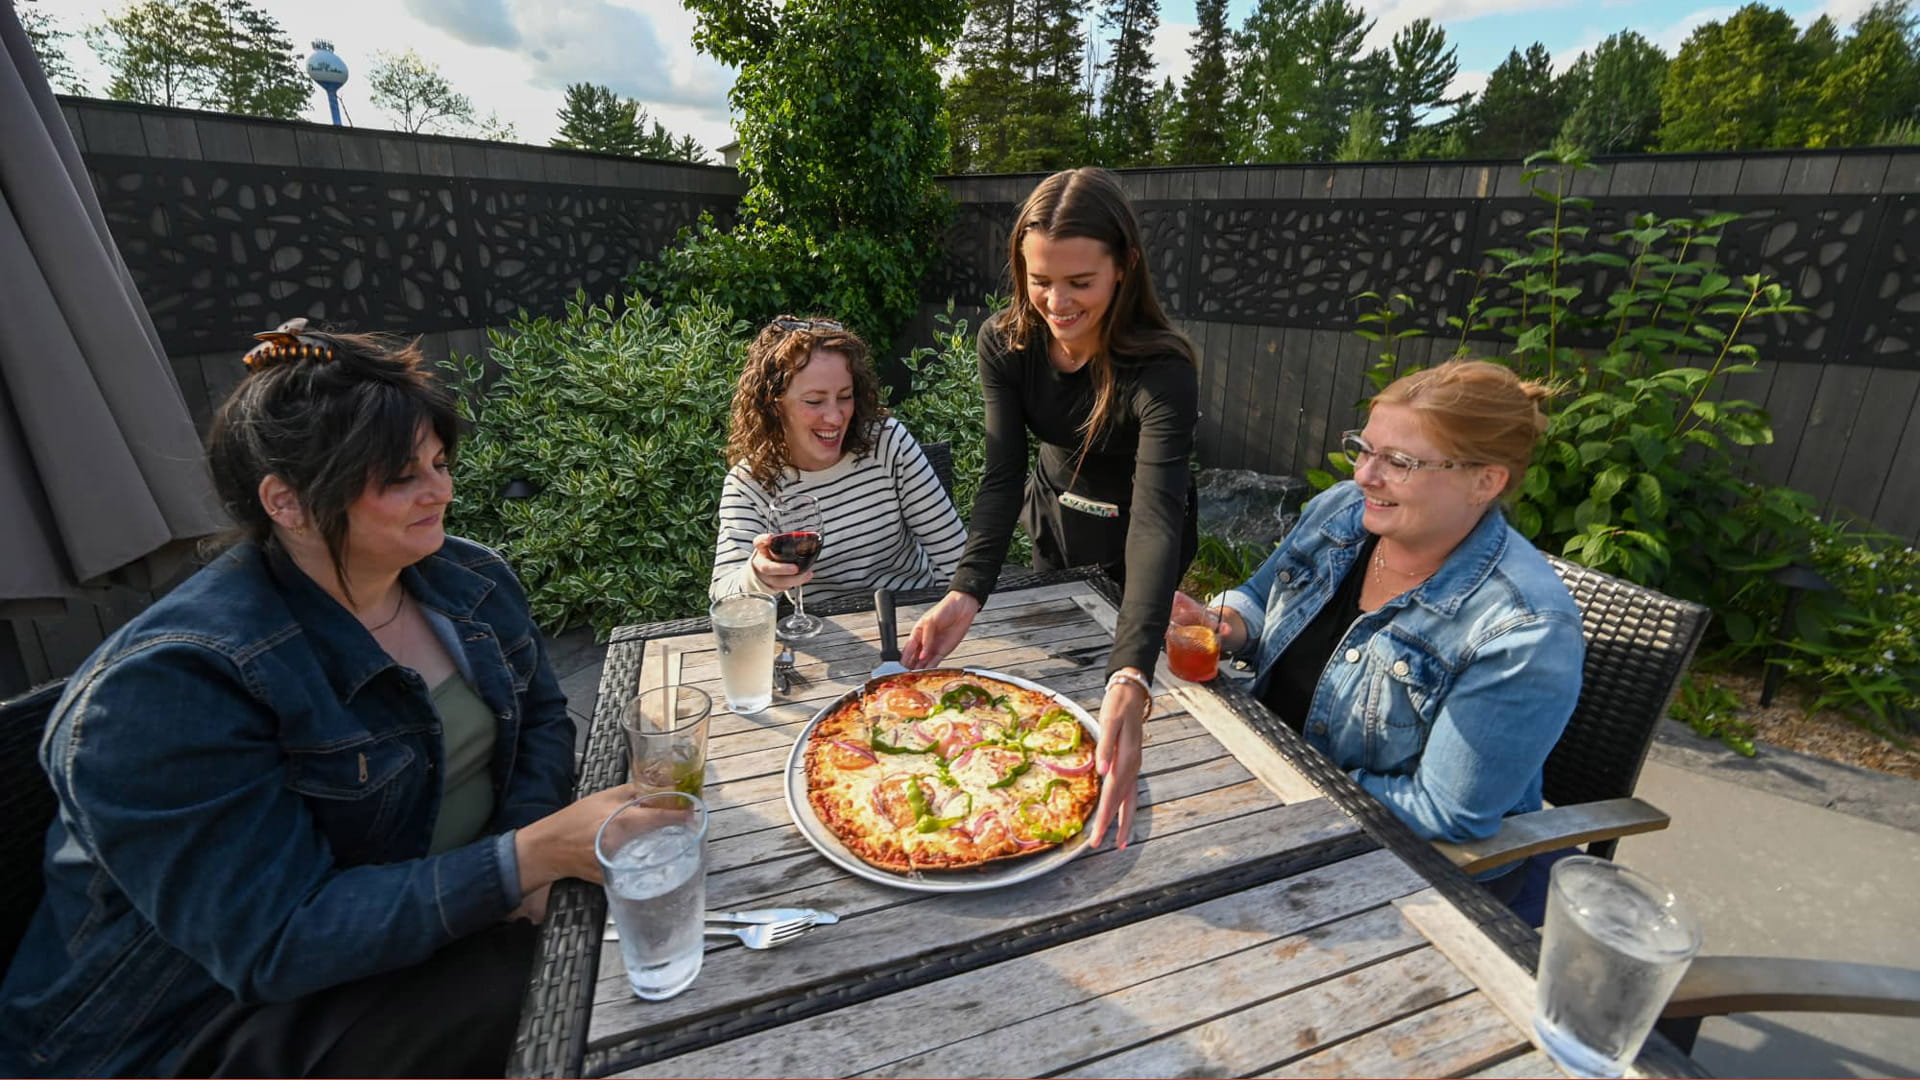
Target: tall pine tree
{"type": "Point", "coordinates": [1521, 109]}
{"type": "Point", "coordinates": [1332, 85]}
{"type": "Point", "coordinates": [1620, 111]}
{"type": "Point", "coordinates": [1269, 81]}
{"type": "Point", "coordinates": [593, 117]}
{"type": "Point", "coordinates": [1421, 65]}
{"type": "Point", "coordinates": [1126, 119]}
{"type": "Point", "coordinates": [1200, 131]}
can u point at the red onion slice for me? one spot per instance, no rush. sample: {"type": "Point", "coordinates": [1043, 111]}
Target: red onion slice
{"type": "Point", "coordinates": [1067, 770]}
{"type": "Point", "coordinates": [865, 752]}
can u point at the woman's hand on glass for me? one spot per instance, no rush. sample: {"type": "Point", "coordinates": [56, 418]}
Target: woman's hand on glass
{"type": "Point", "coordinates": [1223, 621]}
{"type": "Point", "coordinates": [773, 574]}
{"type": "Point", "coordinates": [560, 845]}
{"type": "Point", "coordinates": [940, 630]}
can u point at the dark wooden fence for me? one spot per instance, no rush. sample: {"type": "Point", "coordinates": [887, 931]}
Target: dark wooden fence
{"type": "Point", "coordinates": [230, 225]}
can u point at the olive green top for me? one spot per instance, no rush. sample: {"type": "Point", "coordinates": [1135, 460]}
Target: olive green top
{"type": "Point", "coordinates": [467, 732]}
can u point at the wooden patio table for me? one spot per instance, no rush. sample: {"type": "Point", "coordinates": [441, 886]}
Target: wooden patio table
{"type": "Point", "coordinates": [1268, 918]}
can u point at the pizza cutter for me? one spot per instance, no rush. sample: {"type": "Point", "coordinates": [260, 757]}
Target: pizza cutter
{"type": "Point", "coordinates": [889, 645]}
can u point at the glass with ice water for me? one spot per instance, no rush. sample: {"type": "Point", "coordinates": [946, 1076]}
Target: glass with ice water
{"type": "Point", "coordinates": [666, 730]}
{"type": "Point", "coordinates": [743, 632]}
{"type": "Point", "coordinates": [652, 852]}
{"type": "Point", "coordinates": [1616, 944]}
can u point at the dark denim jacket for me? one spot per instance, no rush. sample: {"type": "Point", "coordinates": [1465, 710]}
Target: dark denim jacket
{"type": "Point", "coordinates": [1444, 702]}
{"type": "Point", "coordinates": [248, 786]}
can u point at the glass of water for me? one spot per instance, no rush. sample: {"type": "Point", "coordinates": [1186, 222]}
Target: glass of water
{"type": "Point", "coordinates": [652, 852]}
{"type": "Point", "coordinates": [666, 729]}
{"type": "Point", "coordinates": [743, 634]}
{"type": "Point", "coordinates": [1616, 944]}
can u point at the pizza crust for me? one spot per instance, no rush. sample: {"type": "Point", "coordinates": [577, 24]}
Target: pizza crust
{"type": "Point", "coordinates": [1016, 801]}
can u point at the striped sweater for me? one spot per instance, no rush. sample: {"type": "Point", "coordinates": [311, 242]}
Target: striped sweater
{"type": "Point", "coordinates": [885, 523]}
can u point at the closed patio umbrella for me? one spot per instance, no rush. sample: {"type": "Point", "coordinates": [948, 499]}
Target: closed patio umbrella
{"type": "Point", "coordinates": [102, 476]}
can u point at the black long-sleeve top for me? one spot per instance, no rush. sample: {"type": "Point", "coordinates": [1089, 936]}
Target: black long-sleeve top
{"type": "Point", "coordinates": [1139, 463]}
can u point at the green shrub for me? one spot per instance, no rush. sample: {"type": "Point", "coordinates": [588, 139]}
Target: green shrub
{"type": "Point", "coordinates": [1858, 645]}
{"type": "Point", "coordinates": [617, 416]}
{"type": "Point", "coordinates": [1220, 564]}
{"type": "Point", "coordinates": [1713, 711]}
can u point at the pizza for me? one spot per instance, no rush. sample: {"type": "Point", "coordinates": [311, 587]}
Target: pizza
{"type": "Point", "coordinates": [946, 769]}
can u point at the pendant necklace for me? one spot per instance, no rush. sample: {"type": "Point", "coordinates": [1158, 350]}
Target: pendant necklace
{"type": "Point", "coordinates": [396, 614]}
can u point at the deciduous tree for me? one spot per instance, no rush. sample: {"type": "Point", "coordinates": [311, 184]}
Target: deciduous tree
{"type": "Point", "coordinates": [1869, 84]}
{"type": "Point", "coordinates": [226, 55]}
{"type": "Point", "coordinates": [1734, 81]}
{"type": "Point", "coordinates": [415, 93]}
{"type": "Point", "coordinates": [49, 40]}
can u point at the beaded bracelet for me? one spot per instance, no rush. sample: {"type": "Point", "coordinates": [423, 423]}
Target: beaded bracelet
{"type": "Point", "coordinates": [1124, 675]}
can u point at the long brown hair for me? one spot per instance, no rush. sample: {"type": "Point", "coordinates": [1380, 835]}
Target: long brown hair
{"type": "Point", "coordinates": [755, 436]}
{"type": "Point", "coordinates": [1089, 203]}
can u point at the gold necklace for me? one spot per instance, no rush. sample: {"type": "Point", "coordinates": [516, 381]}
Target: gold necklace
{"type": "Point", "coordinates": [396, 613]}
{"type": "Point", "coordinates": [1380, 563]}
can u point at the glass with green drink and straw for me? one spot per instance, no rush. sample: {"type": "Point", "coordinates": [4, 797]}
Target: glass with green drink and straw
{"type": "Point", "coordinates": [666, 731]}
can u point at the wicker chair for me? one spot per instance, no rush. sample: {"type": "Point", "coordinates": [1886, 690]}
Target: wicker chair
{"type": "Point", "coordinates": [1639, 643]}
{"type": "Point", "coordinates": [27, 807]}
{"type": "Point", "coordinates": [940, 456]}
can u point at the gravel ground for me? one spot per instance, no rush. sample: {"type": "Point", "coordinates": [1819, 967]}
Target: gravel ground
{"type": "Point", "coordinates": [1826, 734]}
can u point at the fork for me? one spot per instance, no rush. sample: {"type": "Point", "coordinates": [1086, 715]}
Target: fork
{"type": "Point", "coordinates": [786, 672]}
{"type": "Point", "coordinates": [764, 935]}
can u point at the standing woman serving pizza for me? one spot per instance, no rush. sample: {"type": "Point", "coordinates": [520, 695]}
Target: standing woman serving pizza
{"type": "Point", "coordinates": [1085, 359]}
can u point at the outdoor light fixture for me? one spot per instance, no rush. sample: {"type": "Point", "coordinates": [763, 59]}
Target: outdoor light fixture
{"type": "Point", "coordinates": [1798, 578]}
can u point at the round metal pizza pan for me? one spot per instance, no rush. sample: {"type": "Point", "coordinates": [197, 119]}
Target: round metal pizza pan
{"type": "Point", "coordinates": [994, 875]}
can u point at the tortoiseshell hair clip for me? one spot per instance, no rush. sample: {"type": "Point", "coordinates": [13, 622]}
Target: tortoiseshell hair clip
{"type": "Point", "coordinates": [288, 342]}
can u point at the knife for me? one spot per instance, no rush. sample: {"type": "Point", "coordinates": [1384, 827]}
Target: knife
{"type": "Point", "coordinates": [889, 647]}
{"type": "Point", "coordinates": [774, 915]}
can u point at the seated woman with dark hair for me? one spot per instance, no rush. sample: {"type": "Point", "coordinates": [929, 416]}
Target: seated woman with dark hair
{"type": "Point", "coordinates": [1405, 628]}
{"type": "Point", "coordinates": [302, 795]}
{"type": "Point", "coordinates": [807, 420]}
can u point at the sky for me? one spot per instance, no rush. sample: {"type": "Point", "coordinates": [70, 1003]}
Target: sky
{"type": "Point", "coordinates": [514, 58]}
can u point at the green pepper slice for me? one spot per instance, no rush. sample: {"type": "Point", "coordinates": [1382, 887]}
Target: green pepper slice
{"type": "Point", "coordinates": [1044, 739]}
{"type": "Point", "coordinates": [1025, 811]}
{"type": "Point", "coordinates": [965, 696]}
{"type": "Point", "coordinates": [928, 823]}
{"type": "Point", "coordinates": [1015, 772]}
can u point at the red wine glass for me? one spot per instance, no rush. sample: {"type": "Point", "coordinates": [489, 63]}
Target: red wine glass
{"type": "Point", "coordinates": [798, 542]}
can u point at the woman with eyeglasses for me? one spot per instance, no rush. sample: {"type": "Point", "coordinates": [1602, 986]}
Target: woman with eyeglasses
{"type": "Point", "coordinates": [1404, 628]}
{"type": "Point", "coordinates": [807, 420]}
{"type": "Point", "coordinates": [1085, 361]}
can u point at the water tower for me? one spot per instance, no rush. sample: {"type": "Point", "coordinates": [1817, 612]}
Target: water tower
{"type": "Point", "coordinates": [330, 72]}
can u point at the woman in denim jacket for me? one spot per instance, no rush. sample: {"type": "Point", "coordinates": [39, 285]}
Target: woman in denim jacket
{"type": "Point", "coordinates": [302, 795]}
{"type": "Point", "coordinates": [1405, 628]}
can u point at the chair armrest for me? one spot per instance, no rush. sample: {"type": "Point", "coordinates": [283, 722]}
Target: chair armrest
{"type": "Point", "coordinates": [1717, 985]}
{"type": "Point", "coordinates": [1524, 835]}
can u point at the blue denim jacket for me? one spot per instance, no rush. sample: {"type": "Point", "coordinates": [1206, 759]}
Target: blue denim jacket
{"type": "Point", "coordinates": [1444, 702]}
{"type": "Point", "coordinates": [248, 786]}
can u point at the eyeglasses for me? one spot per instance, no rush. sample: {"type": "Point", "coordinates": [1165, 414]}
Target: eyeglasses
{"type": "Point", "coordinates": [789, 323]}
{"type": "Point", "coordinates": [1396, 466]}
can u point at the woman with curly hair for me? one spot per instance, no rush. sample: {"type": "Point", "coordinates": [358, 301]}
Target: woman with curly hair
{"type": "Point", "coordinates": [807, 420]}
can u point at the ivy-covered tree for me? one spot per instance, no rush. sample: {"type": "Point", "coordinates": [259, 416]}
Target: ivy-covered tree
{"type": "Point", "coordinates": [1199, 134]}
{"type": "Point", "coordinates": [1735, 81]}
{"type": "Point", "coordinates": [1619, 113]}
{"type": "Point", "coordinates": [1125, 124]}
{"type": "Point", "coordinates": [1521, 109]}
{"type": "Point", "coordinates": [593, 117]}
{"type": "Point", "coordinates": [841, 135]}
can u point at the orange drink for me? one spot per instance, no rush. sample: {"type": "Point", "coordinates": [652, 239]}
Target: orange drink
{"type": "Point", "coordinates": [1193, 652]}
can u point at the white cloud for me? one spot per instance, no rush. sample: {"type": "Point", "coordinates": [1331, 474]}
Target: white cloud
{"type": "Point", "coordinates": [1389, 17]}
{"type": "Point", "coordinates": [1170, 44]}
{"type": "Point", "coordinates": [1468, 82]}
{"type": "Point", "coordinates": [476, 22]}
